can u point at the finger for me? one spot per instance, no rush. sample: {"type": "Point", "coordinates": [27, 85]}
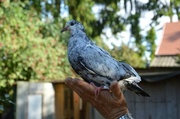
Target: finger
{"type": "Point", "coordinates": [71, 82]}
{"type": "Point", "coordinates": [80, 86]}
{"type": "Point", "coordinates": [68, 80]}
{"type": "Point", "coordinates": [116, 91]}
{"type": "Point", "coordinates": [84, 86]}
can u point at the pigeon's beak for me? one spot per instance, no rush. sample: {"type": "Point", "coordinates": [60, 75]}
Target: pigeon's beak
{"type": "Point", "coordinates": [65, 29]}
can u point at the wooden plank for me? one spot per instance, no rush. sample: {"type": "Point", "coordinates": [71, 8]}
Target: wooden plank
{"type": "Point", "coordinates": [21, 101]}
{"type": "Point", "coordinates": [47, 90]}
{"type": "Point", "coordinates": [171, 98]}
{"type": "Point", "coordinates": [33, 88]}
{"type": "Point", "coordinates": [34, 107]}
{"type": "Point", "coordinates": [97, 115]}
{"type": "Point", "coordinates": [163, 103]}
{"type": "Point", "coordinates": [140, 107]}
{"type": "Point", "coordinates": [94, 114]}
{"type": "Point", "coordinates": [76, 104]}
{"type": "Point", "coordinates": [92, 111]}
{"type": "Point", "coordinates": [131, 102]}
{"type": "Point", "coordinates": [178, 96]}
{"type": "Point", "coordinates": [150, 106]}
{"type": "Point", "coordinates": [85, 113]}
{"type": "Point", "coordinates": [159, 100]}
{"type": "Point", "coordinates": [59, 101]}
{"type": "Point", "coordinates": [68, 99]}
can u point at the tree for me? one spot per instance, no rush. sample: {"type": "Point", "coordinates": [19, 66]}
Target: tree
{"type": "Point", "coordinates": [150, 38]}
{"type": "Point", "coordinates": [30, 49]}
{"type": "Point", "coordinates": [126, 54]}
{"type": "Point", "coordinates": [109, 16]}
{"type": "Point", "coordinates": [29, 46]}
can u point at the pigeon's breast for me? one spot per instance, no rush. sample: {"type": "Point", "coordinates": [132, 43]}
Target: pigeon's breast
{"type": "Point", "coordinates": [73, 53]}
{"type": "Point", "coordinates": [75, 46]}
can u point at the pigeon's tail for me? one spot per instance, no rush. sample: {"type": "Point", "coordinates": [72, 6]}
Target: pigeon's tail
{"type": "Point", "coordinates": [135, 88]}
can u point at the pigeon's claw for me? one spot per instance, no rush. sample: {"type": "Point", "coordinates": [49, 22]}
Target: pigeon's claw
{"type": "Point", "coordinates": [97, 90]}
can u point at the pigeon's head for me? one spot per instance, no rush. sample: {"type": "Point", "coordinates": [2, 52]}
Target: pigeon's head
{"type": "Point", "coordinates": [73, 26]}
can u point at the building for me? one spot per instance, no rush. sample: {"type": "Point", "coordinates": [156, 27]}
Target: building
{"type": "Point", "coordinates": [169, 48]}
{"type": "Point", "coordinates": [161, 80]}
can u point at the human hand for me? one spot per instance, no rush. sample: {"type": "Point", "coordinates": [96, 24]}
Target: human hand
{"type": "Point", "coordinates": [111, 105]}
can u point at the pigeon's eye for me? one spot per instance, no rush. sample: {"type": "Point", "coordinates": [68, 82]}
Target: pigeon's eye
{"type": "Point", "coordinates": [72, 23]}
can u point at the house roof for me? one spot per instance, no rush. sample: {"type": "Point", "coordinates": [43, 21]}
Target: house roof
{"type": "Point", "coordinates": [155, 74]}
{"type": "Point", "coordinates": [170, 42]}
{"type": "Point", "coordinates": [167, 53]}
{"type": "Point", "coordinates": [165, 61]}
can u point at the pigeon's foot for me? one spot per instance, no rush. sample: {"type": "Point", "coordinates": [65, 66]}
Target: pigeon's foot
{"type": "Point", "coordinates": [98, 89]}
{"type": "Point", "coordinates": [97, 92]}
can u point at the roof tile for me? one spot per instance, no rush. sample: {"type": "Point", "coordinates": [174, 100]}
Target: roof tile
{"type": "Point", "coordinates": [165, 61]}
{"type": "Point", "coordinates": [170, 42]}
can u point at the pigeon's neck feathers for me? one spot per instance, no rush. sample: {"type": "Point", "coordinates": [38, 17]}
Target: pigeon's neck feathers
{"type": "Point", "coordinates": [78, 40]}
{"type": "Point", "coordinates": [75, 31]}
{"type": "Point", "coordinates": [78, 35]}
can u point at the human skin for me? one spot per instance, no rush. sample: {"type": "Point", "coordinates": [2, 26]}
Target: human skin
{"type": "Point", "coordinates": [110, 103]}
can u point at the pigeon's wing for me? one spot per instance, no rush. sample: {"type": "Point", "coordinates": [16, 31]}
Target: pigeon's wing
{"type": "Point", "coordinates": [98, 61]}
{"type": "Point", "coordinates": [130, 70]}
{"type": "Point", "coordinates": [131, 82]}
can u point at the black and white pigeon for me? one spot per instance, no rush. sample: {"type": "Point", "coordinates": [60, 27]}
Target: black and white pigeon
{"type": "Point", "coordinates": [95, 65]}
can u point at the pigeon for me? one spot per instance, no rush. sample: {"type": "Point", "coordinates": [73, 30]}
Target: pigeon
{"type": "Point", "coordinates": [95, 65]}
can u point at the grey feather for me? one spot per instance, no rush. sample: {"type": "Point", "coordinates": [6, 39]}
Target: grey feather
{"type": "Point", "coordinates": [96, 65]}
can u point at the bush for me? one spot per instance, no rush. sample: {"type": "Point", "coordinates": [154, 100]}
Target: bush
{"type": "Point", "coordinates": [29, 48]}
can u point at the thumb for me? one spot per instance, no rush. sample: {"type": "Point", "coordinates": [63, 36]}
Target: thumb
{"type": "Point", "coordinates": [116, 91]}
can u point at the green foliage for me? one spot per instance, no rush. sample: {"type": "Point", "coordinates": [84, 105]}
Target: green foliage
{"type": "Point", "coordinates": [151, 36]}
{"type": "Point", "coordinates": [29, 48]}
{"type": "Point", "coordinates": [126, 54]}
{"type": "Point", "coordinates": [108, 16]}
{"type": "Point", "coordinates": [81, 11]}
{"type": "Point", "coordinates": [5, 98]}
{"type": "Point", "coordinates": [162, 8]}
